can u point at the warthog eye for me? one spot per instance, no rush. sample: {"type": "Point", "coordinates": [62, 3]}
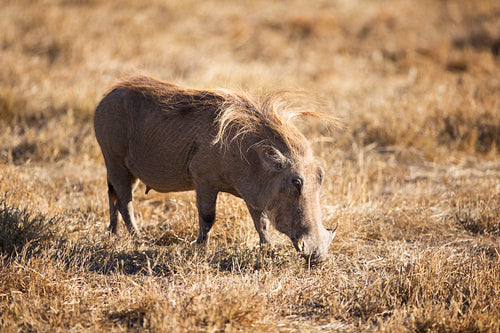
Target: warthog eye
{"type": "Point", "coordinates": [298, 182]}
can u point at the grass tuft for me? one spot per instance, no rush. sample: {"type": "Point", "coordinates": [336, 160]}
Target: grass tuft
{"type": "Point", "coordinates": [20, 228]}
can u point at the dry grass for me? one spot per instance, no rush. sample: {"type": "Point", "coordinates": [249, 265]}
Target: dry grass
{"type": "Point", "coordinates": [413, 178]}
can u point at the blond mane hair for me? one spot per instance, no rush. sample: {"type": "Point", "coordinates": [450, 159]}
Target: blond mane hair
{"type": "Point", "coordinates": [243, 114]}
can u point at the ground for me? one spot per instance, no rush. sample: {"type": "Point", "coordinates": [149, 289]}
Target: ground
{"type": "Point", "coordinates": [412, 175]}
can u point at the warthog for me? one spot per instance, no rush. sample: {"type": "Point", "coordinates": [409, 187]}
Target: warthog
{"type": "Point", "coordinates": [177, 139]}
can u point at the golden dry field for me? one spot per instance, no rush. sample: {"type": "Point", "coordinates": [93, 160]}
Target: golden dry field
{"type": "Point", "coordinates": [413, 175]}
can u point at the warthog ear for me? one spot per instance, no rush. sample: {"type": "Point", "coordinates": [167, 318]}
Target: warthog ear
{"type": "Point", "coordinates": [271, 158]}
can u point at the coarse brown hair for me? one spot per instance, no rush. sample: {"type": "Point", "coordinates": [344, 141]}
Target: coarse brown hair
{"type": "Point", "coordinates": [237, 112]}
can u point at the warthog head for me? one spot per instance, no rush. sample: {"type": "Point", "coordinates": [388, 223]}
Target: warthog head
{"type": "Point", "coordinates": [283, 179]}
{"type": "Point", "coordinates": [291, 199]}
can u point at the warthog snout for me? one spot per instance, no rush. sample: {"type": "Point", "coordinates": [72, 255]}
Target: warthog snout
{"type": "Point", "coordinates": [314, 249]}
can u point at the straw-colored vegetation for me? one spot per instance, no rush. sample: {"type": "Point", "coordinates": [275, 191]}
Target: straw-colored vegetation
{"type": "Point", "coordinates": [413, 178]}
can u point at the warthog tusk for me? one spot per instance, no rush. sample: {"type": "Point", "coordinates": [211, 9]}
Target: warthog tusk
{"type": "Point", "coordinates": [300, 245]}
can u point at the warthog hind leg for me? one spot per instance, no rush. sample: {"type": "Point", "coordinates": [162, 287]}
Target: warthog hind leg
{"type": "Point", "coordinates": [113, 211]}
{"type": "Point", "coordinates": [120, 186]}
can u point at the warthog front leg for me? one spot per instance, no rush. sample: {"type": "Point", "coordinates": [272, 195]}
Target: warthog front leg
{"type": "Point", "coordinates": [206, 199]}
{"type": "Point", "coordinates": [261, 223]}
